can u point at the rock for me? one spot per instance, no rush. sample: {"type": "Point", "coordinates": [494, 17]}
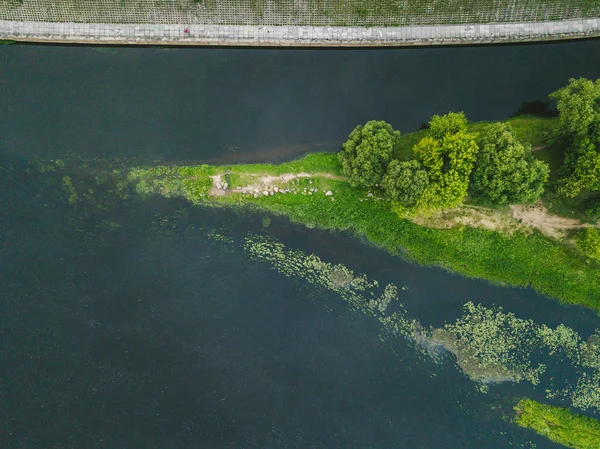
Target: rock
{"type": "Point", "coordinates": [265, 193]}
{"type": "Point", "coordinates": [310, 193]}
{"type": "Point", "coordinates": [271, 193]}
{"type": "Point", "coordinates": [218, 185]}
{"type": "Point", "coordinates": [276, 189]}
{"type": "Point", "coordinates": [255, 195]}
{"type": "Point", "coordinates": [225, 185]}
{"type": "Point", "coordinates": [329, 193]}
{"type": "Point", "coordinates": [369, 194]}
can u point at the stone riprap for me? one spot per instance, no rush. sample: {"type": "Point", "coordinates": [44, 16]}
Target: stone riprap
{"type": "Point", "coordinates": [299, 36]}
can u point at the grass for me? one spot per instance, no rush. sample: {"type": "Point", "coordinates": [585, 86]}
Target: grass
{"type": "Point", "coordinates": [558, 424]}
{"type": "Point", "coordinates": [309, 12]}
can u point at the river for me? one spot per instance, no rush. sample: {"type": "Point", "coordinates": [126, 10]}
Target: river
{"type": "Point", "coordinates": [163, 331]}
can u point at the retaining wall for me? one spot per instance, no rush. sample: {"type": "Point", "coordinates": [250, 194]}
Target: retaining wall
{"type": "Point", "coordinates": [297, 36]}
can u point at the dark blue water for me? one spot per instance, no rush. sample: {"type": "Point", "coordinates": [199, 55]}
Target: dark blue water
{"type": "Point", "coordinates": [152, 335]}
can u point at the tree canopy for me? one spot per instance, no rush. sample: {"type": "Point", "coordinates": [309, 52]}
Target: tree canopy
{"type": "Point", "coordinates": [405, 181]}
{"type": "Point", "coordinates": [578, 104]}
{"type": "Point", "coordinates": [506, 171]}
{"type": "Point", "coordinates": [367, 152]}
{"type": "Point", "coordinates": [588, 241]}
{"type": "Point", "coordinates": [581, 168]}
{"type": "Point", "coordinates": [448, 154]}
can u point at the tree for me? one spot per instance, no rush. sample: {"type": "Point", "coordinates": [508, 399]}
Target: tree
{"type": "Point", "coordinates": [367, 152]}
{"type": "Point", "coordinates": [448, 154]}
{"type": "Point", "coordinates": [578, 104]}
{"type": "Point", "coordinates": [405, 181]}
{"type": "Point", "coordinates": [506, 171]}
{"type": "Point", "coordinates": [444, 125]}
{"type": "Point", "coordinates": [582, 168]}
{"type": "Point", "coordinates": [588, 241]}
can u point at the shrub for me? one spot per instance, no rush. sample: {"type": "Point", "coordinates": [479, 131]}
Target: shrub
{"type": "Point", "coordinates": [588, 242]}
{"type": "Point", "coordinates": [367, 153]}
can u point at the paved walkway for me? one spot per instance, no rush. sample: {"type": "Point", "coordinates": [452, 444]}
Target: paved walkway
{"type": "Point", "coordinates": [301, 36]}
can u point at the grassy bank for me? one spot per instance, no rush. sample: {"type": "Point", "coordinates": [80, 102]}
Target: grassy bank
{"type": "Point", "coordinates": [559, 424]}
{"type": "Point", "coordinates": [301, 12]}
{"type": "Point", "coordinates": [523, 259]}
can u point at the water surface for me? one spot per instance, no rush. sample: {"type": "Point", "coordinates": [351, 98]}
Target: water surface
{"type": "Point", "coordinates": [155, 335]}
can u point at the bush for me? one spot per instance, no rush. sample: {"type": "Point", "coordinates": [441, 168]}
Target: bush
{"type": "Point", "coordinates": [588, 242]}
{"type": "Point", "coordinates": [367, 153]}
{"type": "Point", "coordinates": [506, 171]}
{"type": "Point", "coordinates": [448, 154]}
{"type": "Point", "coordinates": [405, 181]}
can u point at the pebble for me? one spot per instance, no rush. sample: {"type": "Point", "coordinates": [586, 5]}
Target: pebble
{"type": "Point", "coordinates": [329, 193]}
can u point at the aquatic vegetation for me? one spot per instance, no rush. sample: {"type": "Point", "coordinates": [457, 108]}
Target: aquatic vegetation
{"type": "Point", "coordinates": [491, 345]}
{"type": "Point", "coordinates": [559, 424]}
{"type": "Point", "coordinates": [69, 188]}
{"type": "Point", "coordinates": [190, 182]}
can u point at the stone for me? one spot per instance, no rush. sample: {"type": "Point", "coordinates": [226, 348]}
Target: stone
{"type": "Point", "coordinates": [265, 193]}
{"type": "Point", "coordinates": [276, 189]}
{"type": "Point", "coordinates": [329, 193]}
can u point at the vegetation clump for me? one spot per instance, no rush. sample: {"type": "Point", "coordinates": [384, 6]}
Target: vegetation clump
{"type": "Point", "coordinates": [588, 241]}
{"type": "Point", "coordinates": [448, 154]}
{"type": "Point", "coordinates": [405, 182]}
{"type": "Point", "coordinates": [367, 152]}
{"type": "Point", "coordinates": [506, 172]}
{"type": "Point", "coordinates": [559, 424]}
{"type": "Point", "coordinates": [578, 104]}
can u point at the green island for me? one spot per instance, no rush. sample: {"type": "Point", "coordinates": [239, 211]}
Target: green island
{"type": "Point", "coordinates": [559, 424]}
{"type": "Point", "coordinates": [485, 200]}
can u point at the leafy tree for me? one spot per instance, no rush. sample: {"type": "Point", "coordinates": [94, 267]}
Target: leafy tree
{"type": "Point", "coordinates": [505, 170]}
{"type": "Point", "coordinates": [444, 125]}
{"type": "Point", "coordinates": [367, 152]}
{"type": "Point", "coordinates": [448, 154]}
{"type": "Point", "coordinates": [578, 104]}
{"type": "Point", "coordinates": [405, 181]}
{"type": "Point", "coordinates": [582, 165]}
{"type": "Point", "coordinates": [588, 241]}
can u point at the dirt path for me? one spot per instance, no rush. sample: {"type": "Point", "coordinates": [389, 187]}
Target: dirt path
{"type": "Point", "coordinates": [538, 217]}
{"type": "Point", "coordinates": [265, 184]}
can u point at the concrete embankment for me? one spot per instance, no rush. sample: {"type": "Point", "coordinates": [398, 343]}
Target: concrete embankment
{"type": "Point", "coordinates": [296, 36]}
